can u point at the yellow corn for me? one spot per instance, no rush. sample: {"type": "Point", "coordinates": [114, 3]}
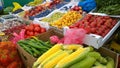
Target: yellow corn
{"type": "Point", "coordinates": [53, 50]}
{"type": "Point", "coordinates": [51, 57]}
{"type": "Point", "coordinates": [56, 59]}
{"type": "Point", "coordinates": [73, 58]}
{"type": "Point", "coordinates": [72, 46]}
{"type": "Point", "coordinates": [70, 57]}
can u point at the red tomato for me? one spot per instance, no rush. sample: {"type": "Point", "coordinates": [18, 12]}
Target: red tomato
{"type": "Point", "coordinates": [43, 30]}
{"type": "Point", "coordinates": [4, 59]}
{"type": "Point", "coordinates": [93, 24]}
{"type": "Point", "coordinates": [87, 23]}
{"type": "Point", "coordinates": [37, 10]}
{"type": "Point", "coordinates": [27, 28]}
{"type": "Point", "coordinates": [36, 33]}
{"type": "Point", "coordinates": [28, 32]}
{"type": "Point", "coordinates": [13, 65]}
{"type": "Point", "coordinates": [93, 30]}
{"type": "Point", "coordinates": [36, 25]}
{"type": "Point", "coordinates": [88, 29]}
{"type": "Point", "coordinates": [37, 29]}
{"type": "Point", "coordinates": [31, 33]}
{"type": "Point", "coordinates": [103, 27]}
{"type": "Point", "coordinates": [114, 22]}
{"type": "Point", "coordinates": [31, 28]}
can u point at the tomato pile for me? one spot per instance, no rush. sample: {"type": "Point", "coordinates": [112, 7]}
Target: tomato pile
{"type": "Point", "coordinates": [95, 24]}
{"type": "Point", "coordinates": [33, 29]}
{"type": "Point", "coordinates": [9, 57]}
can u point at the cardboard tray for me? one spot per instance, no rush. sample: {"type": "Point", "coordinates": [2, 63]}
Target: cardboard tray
{"type": "Point", "coordinates": [28, 59]}
{"type": "Point", "coordinates": [106, 52]}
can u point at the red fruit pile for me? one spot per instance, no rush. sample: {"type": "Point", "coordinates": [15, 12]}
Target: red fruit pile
{"type": "Point", "coordinates": [38, 9]}
{"type": "Point", "coordinates": [95, 24]}
{"type": "Point", "coordinates": [34, 11]}
{"type": "Point", "coordinates": [77, 8]}
{"type": "Point", "coordinates": [33, 29]}
{"type": "Point", "coordinates": [9, 57]}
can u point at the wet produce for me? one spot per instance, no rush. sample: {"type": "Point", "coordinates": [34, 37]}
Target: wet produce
{"type": "Point", "coordinates": [53, 17]}
{"type": "Point", "coordinates": [99, 25]}
{"type": "Point", "coordinates": [67, 19]}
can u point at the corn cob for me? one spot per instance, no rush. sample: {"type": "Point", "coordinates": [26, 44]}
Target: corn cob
{"type": "Point", "coordinates": [72, 46]}
{"type": "Point", "coordinates": [56, 59]}
{"type": "Point", "coordinates": [54, 49]}
{"type": "Point", "coordinates": [76, 56]}
{"type": "Point", "coordinates": [51, 57]}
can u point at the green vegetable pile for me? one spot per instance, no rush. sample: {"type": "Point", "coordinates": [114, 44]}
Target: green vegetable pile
{"type": "Point", "coordinates": [54, 17]}
{"type": "Point", "coordinates": [110, 7]}
{"type": "Point", "coordinates": [34, 46]}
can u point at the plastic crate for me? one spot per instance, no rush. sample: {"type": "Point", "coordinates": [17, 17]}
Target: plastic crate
{"type": "Point", "coordinates": [10, 2]}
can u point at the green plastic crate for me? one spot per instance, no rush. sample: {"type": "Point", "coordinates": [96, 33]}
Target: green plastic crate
{"type": "Point", "coordinates": [10, 2]}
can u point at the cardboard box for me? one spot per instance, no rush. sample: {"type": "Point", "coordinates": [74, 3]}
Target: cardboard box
{"type": "Point", "coordinates": [29, 59]}
{"type": "Point", "coordinates": [106, 52]}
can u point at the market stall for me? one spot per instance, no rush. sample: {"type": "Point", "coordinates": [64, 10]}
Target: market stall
{"type": "Point", "coordinates": [60, 34]}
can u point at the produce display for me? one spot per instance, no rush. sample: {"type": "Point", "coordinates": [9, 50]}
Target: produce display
{"type": "Point", "coordinates": [41, 8]}
{"type": "Point", "coordinates": [10, 23]}
{"type": "Point", "coordinates": [53, 17]}
{"type": "Point", "coordinates": [60, 34]}
{"type": "Point", "coordinates": [34, 11]}
{"type": "Point", "coordinates": [33, 29]}
{"type": "Point", "coordinates": [42, 14]}
{"type": "Point", "coordinates": [95, 24]}
{"type": "Point", "coordinates": [14, 29]}
{"type": "Point", "coordinates": [67, 19]}
{"type": "Point", "coordinates": [72, 56]}
{"type": "Point", "coordinates": [34, 46]}
{"type": "Point", "coordinates": [35, 2]}
{"type": "Point", "coordinates": [9, 57]}
{"type": "Point", "coordinates": [77, 8]}
{"type": "Point", "coordinates": [110, 7]}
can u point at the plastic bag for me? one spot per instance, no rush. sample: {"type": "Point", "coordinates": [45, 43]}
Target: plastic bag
{"type": "Point", "coordinates": [19, 36]}
{"type": "Point", "coordinates": [74, 36]}
{"type": "Point", "coordinates": [9, 57]}
{"type": "Point", "coordinates": [87, 5]}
